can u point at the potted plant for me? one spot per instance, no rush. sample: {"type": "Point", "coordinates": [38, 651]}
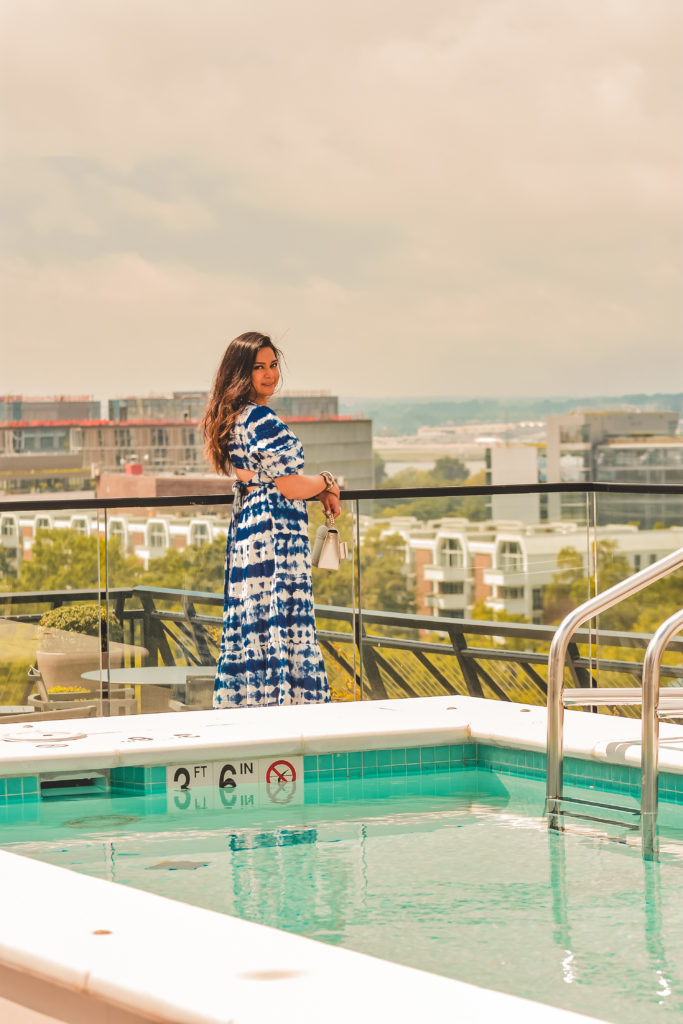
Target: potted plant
{"type": "Point", "coordinates": [74, 639]}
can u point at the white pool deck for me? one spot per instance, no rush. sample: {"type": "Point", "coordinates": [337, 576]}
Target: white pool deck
{"type": "Point", "coordinates": [87, 951]}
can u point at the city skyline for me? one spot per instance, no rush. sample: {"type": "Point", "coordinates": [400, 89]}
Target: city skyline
{"type": "Point", "coordinates": [457, 200]}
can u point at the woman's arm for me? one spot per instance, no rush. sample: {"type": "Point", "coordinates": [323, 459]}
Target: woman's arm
{"type": "Point", "coordinates": [298, 487]}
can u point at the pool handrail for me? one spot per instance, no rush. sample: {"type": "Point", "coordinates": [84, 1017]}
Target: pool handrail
{"type": "Point", "coordinates": [556, 662]}
{"type": "Point", "coordinates": [650, 730]}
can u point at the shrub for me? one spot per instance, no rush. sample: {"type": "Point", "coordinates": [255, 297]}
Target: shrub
{"type": "Point", "coordinates": [84, 619]}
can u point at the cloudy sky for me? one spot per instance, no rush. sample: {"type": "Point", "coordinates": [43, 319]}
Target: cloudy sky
{"type": "Point", "coordinates": [451, 197]}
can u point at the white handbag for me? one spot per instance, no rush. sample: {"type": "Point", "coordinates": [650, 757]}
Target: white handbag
{"type": "Point", "coordinates": [328, 549]}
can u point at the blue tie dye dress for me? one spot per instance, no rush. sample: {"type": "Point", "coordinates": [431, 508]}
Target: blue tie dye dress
{"type": "Point", "coordinates": [269, 651]}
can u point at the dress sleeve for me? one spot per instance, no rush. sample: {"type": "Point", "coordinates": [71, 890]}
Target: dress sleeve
{"type": "Point", "coordinates": [273, 444]}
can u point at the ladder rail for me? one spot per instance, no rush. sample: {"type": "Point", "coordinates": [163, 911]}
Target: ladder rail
{"type": "Point", "coordinates": [556, 662]}
{"type": "Point", "coordinates": [650, 730]}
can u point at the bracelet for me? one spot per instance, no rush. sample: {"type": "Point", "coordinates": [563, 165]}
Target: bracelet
{"type": "Point", "coordinates": [330, 482]}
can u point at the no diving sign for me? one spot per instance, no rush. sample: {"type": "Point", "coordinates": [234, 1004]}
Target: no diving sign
{"type": "Point", "coordinates": [281, 782]}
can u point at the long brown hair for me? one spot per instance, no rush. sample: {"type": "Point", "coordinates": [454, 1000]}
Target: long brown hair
{"type": "Point", "coordinates": [230, 392]}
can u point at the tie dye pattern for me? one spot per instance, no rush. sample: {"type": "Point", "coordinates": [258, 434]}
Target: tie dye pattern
{"type": "Point", "coordinates": [269, 651]}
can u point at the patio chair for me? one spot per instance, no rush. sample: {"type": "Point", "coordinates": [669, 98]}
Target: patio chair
{"type": "Point", "coordinates": [121, 700]}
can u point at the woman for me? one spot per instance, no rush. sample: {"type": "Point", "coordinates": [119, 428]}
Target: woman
{"type": "Point", "coordinates": [269, 652]}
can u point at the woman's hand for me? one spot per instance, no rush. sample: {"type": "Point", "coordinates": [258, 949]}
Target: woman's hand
{"type": "Point", "coordinates": [330, 502]}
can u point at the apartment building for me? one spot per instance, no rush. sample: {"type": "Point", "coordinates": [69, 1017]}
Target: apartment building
{"type": "Point", "coordinates": [643, 448]}
{"type": "Point", "coordinates": [454, 563]}
{"type": "Point", "coordinates": [67, 454]}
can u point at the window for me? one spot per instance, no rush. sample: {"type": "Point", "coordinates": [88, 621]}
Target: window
{"type": "Point", "coordinates": [123, 437]}
{"type": "Point", "coordinates": [9, 526]}
{"type": "Point", "coordinates": [452, 588]}
{"type": "Point", "coordinates": [81, 525]}
{"type": "Point", "coordinates": [511, 593]}
{"type": "Point", "coordinates": [159, 437]}
{"type": "Point", "coordinates": [199, 533]}
{"type": "Point", "coordinates": [537, 599]}
{"type": "Point", "coordinates": [156, 536]}
{"type": "Point", "coordinates": [450, 554]}
{"type": "Point", "coordinates": [510, 558]}
{"type": "Point", "coordinates": [636, 562]}
{"type": "Point", "coordinates": [117, 529]}
{"type": "Point", "coordinates": [42, 523]}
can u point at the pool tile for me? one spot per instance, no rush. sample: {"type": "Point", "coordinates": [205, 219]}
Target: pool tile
{"type": "Point", "coordinates": [412, 755]}
{"type": "Point", "coordinates": [356, 759]}
{"type": "Point", "coordinates": [383, 760]}
{"type": "Point", "coordinates": [340, 762]}
{"type": "Point", "coordinates": [324, 762]}
{"type": "Point", "coordinates": [427, 755]}
{"type": "Point", "coordinates": [30, 785]}
{"type": "Point", "coordinates": [398, 756]}
{"type": "Point", "coordinates": [369, 759]}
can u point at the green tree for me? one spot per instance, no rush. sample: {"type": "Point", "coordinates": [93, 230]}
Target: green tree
{"type": "Point", "coordinates": [66, 560]}
{"type": "Point", "coordinates": [450, 470]}
{"type": "Point", "coordinates": [643, 612]}
{"type": "Point", "coordinates": [197, 567]}
{"type": "Point", "coordinates": [380, 469]}
{"type": "Point", "coordinates": [469, 506]}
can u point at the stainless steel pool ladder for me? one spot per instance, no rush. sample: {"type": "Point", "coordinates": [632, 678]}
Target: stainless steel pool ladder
{"type": "Point", "coordinates": [670, 704]}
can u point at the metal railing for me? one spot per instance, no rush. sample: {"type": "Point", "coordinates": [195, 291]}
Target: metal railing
{"type": "Point", "coordinates": [650, 742]}
{"type": "Point", "coordinates": [404, 655]}
{"type": "Point", "coordinates": [556, 665]}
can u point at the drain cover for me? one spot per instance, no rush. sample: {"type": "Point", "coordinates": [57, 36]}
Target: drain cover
{"type": "Point", "coordinates": [102, 821]}
{"type": "Point", "coordinates": [34, 736]}
{"type": "Point", "coordinates": [178, 865]}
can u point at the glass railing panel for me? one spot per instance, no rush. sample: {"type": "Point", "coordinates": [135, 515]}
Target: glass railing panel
{"type": "Point", "coordinates": [54, 634]}
{"type": "Point", "coordinates": [334, 599]}
{"type": "Point", "coordinates": [633, 531]}
{"type": "Point", "coordinates": [458, 594]}
{"type": "Point", "coordinates": [165, 578]}
{"type": "Point", "coordinates": [165, 575]}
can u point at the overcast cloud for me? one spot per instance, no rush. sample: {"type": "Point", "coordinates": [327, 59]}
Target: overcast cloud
{"type": "Point", "coordinates": [456, 197]}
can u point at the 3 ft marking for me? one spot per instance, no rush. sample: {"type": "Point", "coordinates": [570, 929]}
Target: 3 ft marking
{"type": "Point", "coordinates": [197, 773]}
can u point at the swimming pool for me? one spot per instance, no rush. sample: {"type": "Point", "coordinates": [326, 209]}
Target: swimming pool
{"type": "Point", "coordinates": [427, 852]}
{"type": "Point", "coordinates": [453, 873]}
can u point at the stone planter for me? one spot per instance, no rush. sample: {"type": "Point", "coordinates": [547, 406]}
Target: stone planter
{"type": "Point", "coordinates": [66, 667]}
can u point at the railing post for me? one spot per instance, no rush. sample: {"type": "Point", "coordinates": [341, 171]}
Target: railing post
{"type": "Point", "coordinates": [650, 734]}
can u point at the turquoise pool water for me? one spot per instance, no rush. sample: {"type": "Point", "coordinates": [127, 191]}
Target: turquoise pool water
{"type": "Point", "coordinates": [454, 873]}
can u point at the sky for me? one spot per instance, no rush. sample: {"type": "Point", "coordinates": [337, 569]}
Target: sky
{"type": "Point", "coordinates": [452, 197]}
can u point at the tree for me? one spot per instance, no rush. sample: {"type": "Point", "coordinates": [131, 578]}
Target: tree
{"type": "Point", "coordinates": [469, 506]}
{"type": "Point", "coordinates": [66, 560]}
{"type": "Point", "coordinates": [643, 612]}
{"type": "Point", "coordinates": [450, 470]}
{"type": "Point", "coordinates": [197, 567]}
{"type": "Point", "coordinates": [380, 469]}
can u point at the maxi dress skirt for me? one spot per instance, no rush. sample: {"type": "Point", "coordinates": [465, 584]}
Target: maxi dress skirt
{"type": "Point", "coordinates": [269, 651]}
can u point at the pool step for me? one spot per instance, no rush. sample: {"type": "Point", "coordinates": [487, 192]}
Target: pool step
{"type": "Point", "coordinates": [578, 806]}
